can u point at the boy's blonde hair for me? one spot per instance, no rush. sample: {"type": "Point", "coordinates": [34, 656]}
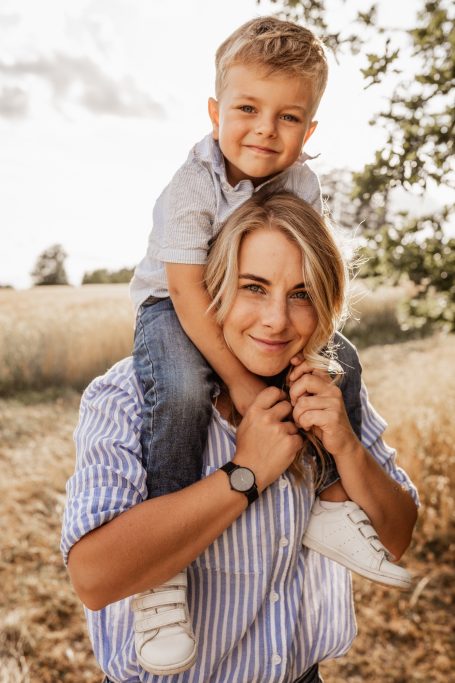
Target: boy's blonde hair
{"type": "Point", "coordinates": [278, 46]}
{"type": "Point", "coordinates": [324, 269]}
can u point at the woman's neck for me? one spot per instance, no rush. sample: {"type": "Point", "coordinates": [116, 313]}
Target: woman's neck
{"type": "Point", "coordinates": [226, 408]}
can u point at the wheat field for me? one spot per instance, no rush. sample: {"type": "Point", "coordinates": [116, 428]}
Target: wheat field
{"type": "Point", "coordinates": [55, 339]}
{"type": "Point", "coordinates": [62, 336]}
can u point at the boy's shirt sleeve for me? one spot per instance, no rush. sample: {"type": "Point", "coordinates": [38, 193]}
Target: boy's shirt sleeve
{"type": "Point", "coordinates": [373, 427]}
{"type": "Point", "coordinates": [184, 216]}
{"type": "Point", "coordinates": [109, 477]}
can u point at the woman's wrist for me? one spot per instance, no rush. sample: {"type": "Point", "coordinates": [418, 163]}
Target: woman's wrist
{"type": "Point", "coordinates": [349, 451]}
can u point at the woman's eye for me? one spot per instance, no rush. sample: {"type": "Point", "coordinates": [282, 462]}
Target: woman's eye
{"type": "Point", "coordinates": [302, 295]}
{"type": "Point", "coordinates": [256, 289]}
{"type": "Point", "coordinates": [247, 108]}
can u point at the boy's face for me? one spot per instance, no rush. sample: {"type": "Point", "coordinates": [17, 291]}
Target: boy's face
{"type": "Point", "coordinates": [261, 122]}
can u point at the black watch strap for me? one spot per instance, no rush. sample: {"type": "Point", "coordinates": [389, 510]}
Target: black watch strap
{"type": "Point", "coordinates": [251, 493]}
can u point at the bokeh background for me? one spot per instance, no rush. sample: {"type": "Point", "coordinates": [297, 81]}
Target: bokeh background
{"type": "Point", "coordinates": [99, 104]}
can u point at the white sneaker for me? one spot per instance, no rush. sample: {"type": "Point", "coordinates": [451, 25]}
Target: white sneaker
{"type": "Point", "coordinates": [343, 532]}
{"type": "Point", "coordinates": [163, 634]}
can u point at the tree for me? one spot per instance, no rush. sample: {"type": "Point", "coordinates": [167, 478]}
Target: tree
{"type": "Point", "coordinates": [420, 125]}
{"type": "Point", "coordinates": [50, 267]}
{"type": "Point", "coordinates": [101, 276]}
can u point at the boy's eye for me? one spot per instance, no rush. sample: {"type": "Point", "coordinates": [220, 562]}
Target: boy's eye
{"type": "Point", "coordinates": [290, 117]}
{"type": "Point", "coordinates": [247, 108]}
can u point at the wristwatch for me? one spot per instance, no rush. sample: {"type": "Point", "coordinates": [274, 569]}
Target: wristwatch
{"type": "Point", "coordinates": [242, 479]}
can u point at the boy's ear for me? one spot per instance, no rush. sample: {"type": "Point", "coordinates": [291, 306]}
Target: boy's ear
{"type": "Point", "coordinates": [214, 117]}
{"type": "Point", "coordinates": [312, 127]}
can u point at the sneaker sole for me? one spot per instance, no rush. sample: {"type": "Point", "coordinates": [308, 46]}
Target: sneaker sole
{"type": "Point", "coordinates": [404, 584]}
{"type": "Point", "coordinates": [168, 670]}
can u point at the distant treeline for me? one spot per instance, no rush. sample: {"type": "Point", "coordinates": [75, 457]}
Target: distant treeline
{"type": "Point", "coordinates": [102, 276]}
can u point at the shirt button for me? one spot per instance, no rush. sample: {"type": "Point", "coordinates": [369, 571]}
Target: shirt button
{"type": "Point", "coordinates": [284, 542]}
{"type": "Point", "coordinates": [276, 659]}
{"type": "Point", "coordinates": [283, 483]}
{"type": "Point", "coordinates": [274, 597]}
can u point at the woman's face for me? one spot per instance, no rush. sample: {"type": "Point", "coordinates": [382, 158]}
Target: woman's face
{"type": "Point", "coordinates": [272, 317]}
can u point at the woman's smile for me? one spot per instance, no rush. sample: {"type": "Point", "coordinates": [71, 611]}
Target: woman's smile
{"type": "Point", "coordinates": [269, 345]}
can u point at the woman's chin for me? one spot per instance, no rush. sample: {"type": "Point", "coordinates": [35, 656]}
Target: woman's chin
{"type": "Point", "coordinates": [266, 369]}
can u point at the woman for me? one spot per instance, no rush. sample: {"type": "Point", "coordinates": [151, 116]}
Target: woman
{"type": "Point", "coordinates": [264, 608]}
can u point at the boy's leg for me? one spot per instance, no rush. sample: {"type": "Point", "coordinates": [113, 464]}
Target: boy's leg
{"type": "Point", "coordinates": [177, 383]}
{"type": "Point", "coordinates": [338, 527]}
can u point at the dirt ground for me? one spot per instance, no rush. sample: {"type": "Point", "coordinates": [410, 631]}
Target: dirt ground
{"type": "Point", "coordinates": [402, 637]}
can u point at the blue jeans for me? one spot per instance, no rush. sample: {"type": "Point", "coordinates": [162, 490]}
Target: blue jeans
{"type": "Point", "coordinates": [178, 384]}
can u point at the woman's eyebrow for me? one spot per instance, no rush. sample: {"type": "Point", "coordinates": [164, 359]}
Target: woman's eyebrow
{"type": "Point", "coordinates": [264, 281]}
{"type": "Point", "coordinates": [257, 278]}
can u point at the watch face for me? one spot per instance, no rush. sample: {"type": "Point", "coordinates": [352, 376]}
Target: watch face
{"type": "Point", "coordinates": [242, 479]}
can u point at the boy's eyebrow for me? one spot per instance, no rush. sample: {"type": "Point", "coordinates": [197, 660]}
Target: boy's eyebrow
{"type": "Point", "coordinates": [245, 96]}
{"type": "Point", "coordinates": [264, 281]}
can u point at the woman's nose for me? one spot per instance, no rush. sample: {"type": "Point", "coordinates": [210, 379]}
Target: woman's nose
{"type": "Point", "coordinates": [275, 315]}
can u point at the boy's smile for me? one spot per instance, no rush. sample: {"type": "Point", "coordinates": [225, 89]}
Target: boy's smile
{"type": "Point", "coordinates": [261, 122]}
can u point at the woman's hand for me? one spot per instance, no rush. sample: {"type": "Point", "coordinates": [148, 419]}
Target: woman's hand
{"type": "Point", "coordinates": [266, 442]}
{"type": "Point", "coordinates": [318, 406]}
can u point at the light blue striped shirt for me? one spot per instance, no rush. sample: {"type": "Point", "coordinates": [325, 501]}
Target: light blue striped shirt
{"type": "Point", "coordinates": [192, 208]}
{"type": "Point", "coordinates": [264, 608]}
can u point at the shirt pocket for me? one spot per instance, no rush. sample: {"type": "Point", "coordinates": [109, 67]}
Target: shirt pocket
{"type": "Point", "coordinates": [239, 549]}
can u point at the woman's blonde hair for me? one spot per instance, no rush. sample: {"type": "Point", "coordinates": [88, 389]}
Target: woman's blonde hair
{"type": "Point", "coordinates": [324, 273]}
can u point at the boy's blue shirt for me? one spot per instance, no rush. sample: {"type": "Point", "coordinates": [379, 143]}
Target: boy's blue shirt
{"type": "Point", "coordinates": [191, 210]}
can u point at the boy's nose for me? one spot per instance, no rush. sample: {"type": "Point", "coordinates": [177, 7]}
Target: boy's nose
{"type": "Point", "coordinates": [266, 127]}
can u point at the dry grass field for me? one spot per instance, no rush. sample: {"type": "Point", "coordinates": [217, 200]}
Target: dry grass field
{"type": "Point", "coordinates": [62, 336]}
{"type": "Point", "coordinates": [76, 333]}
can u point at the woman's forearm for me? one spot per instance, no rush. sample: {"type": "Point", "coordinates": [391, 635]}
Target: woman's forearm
{"type": "Point", "coordinates": [151, 542]}
{"type": "Point", "coordinates": [391, 509]}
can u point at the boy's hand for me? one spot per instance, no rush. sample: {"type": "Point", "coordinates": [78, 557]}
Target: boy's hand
{"type": "Point", "coordinates": [244, 392]}
{"type": "Point", "coordinates": [267, 443]}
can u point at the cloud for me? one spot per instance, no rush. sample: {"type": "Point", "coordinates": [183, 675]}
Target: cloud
{"type": "Point", "coordinates": [74, 80]}
{"type": "Point", "coordinates": [75, 58]}
{"type": "Point", "coordinates": [13, 102]}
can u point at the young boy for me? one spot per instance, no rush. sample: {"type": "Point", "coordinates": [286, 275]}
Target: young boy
{"type": "Point", "coordinates": [270, 76]}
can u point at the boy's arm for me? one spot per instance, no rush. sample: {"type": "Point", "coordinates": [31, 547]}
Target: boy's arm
{"type": "Point", "coordinates": [191, 301]}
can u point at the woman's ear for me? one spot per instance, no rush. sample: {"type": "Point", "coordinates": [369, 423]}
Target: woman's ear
{"type": "Point", "coordinates": [214, 117]}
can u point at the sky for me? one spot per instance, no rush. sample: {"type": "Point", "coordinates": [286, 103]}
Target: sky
{"type": "Point", "coordinates": [100, 102]}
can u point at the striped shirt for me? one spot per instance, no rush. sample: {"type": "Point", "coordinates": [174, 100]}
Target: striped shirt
{"type": "Point", "coordinates": [264, 608]}
{"type": "Point", "coordinates": [193, 207]}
